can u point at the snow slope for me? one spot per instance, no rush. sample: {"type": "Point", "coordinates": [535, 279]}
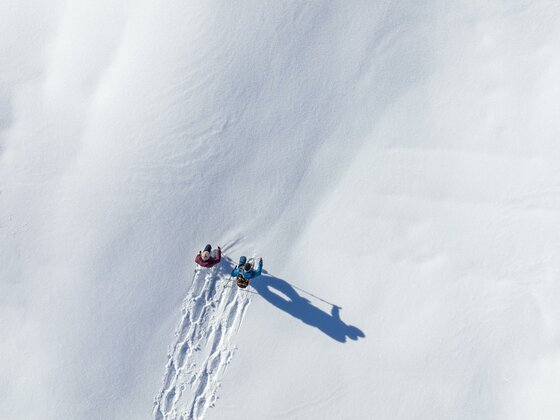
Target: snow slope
{"type": "Point", "coordinates": [395, 163]}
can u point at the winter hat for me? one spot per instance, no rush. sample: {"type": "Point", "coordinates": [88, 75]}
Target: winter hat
{"type": "Point", "coordinates": [247, 267]}
{"type": "Point", "coordinates": [205, 255]}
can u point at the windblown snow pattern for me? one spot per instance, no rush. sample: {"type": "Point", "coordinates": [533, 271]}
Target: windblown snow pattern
{"type": "Point", "coordinates": [395, 163]}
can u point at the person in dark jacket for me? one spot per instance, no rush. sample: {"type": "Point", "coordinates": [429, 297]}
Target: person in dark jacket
{"type": "Point", "coordinates": [206, 259]}
{"type": "Point", "coordinates": [245, 271]}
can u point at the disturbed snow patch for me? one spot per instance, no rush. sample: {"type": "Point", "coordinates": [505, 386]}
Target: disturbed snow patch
{"type": "Point", "coordinates": [212, 313]}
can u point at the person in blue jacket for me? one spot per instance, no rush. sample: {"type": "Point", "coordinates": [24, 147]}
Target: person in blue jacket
{"type": "Point", "coordinates": [244, 271]}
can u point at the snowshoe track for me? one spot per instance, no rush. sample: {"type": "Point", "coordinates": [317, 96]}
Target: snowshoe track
{"type": "Point", "coordinates": [211, 315]}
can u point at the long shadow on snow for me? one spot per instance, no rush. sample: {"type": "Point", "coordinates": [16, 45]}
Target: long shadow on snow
{"type": "Point", "coordinates": [290, 301]}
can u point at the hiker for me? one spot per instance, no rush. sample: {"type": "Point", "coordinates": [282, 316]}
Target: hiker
{"type": "Point", "coordinates": [245, 271]}
{"type": "Point", "coordinates": [206, 259]}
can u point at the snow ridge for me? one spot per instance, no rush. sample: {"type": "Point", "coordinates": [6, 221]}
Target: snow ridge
{"type": "Point", "coordinates": [212, 313]}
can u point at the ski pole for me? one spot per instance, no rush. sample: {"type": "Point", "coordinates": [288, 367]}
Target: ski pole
{"type": "Point", "coordinates": [311, 294]}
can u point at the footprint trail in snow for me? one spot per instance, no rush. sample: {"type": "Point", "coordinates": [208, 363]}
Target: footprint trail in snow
{"type": "Point", "coordinates": [211, 315]}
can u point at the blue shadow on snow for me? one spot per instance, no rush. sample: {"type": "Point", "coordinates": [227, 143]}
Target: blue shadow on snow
{"type": "Point", "coordinates": [281, 294]}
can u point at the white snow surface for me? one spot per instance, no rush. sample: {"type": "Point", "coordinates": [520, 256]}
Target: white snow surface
{"type": "Point", "coordinates": [395, 163]}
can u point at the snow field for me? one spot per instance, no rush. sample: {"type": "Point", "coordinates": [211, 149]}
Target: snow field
{"type": "Point", "coordinates": [395, 163]}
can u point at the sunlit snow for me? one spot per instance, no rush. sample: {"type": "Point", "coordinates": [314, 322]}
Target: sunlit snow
{"type": "Point", "coordinates": [395, 163]}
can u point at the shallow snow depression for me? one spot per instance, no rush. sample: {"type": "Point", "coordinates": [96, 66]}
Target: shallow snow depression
{"type": "Point", "coordinates": [395, 163]}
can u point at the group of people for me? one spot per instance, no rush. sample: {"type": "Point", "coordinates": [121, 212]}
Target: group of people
{"type": "Point", "coordinates": [243, 272]}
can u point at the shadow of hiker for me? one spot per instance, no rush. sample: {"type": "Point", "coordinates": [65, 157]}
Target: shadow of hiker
{"type": "Point", "coordinates": [301, 308]}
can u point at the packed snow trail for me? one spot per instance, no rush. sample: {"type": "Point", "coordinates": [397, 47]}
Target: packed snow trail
{"type": "Point", "coordinates": [212, 313]}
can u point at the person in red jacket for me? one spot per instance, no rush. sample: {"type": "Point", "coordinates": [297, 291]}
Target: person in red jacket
{"type": "Point", "coordinates": [206, 259]}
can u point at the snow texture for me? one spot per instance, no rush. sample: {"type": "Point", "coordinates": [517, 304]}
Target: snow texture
{"type": "Point", "coordinates": [395, 162]}
{"type": "Point", "coordinates": [211, 316]}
